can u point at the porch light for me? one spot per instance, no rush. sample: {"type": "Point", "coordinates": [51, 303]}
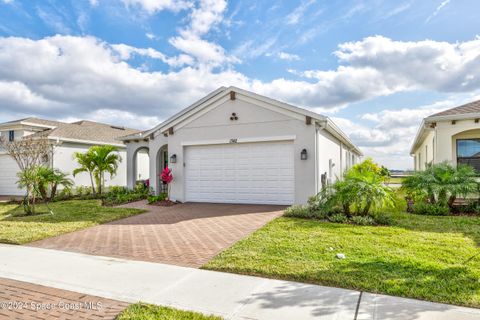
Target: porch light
{"type": "Point", "coordinates": [303, 154]}
{"type": "Point", "coordinates": [173, 158]}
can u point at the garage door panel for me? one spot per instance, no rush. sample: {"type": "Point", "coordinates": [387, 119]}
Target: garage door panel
{"type": "Point", "coordinates": [240, 173]}
{"type": "Point", "coordinates": [8, 176]}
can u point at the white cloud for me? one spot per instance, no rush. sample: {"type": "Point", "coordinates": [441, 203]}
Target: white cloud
{"type": "Point", "coordinates": [150, 35]}
{"type": "Point", "coordinates": [153, 6]}
{"type": "Point", "coordinates": [295, 16]}
{"type": "Point", "coordinates": [378, 66]}
{"type": "Point", "coordinates": [207, 53]}
{"type": "Point", "coordinates": [204, 16]}
{"type": "Point", "coordinates": [78, 76]}
{"type": "Point", "coordinates": [397, 10]}
{"type": "Point", "coordinates": [437, 10]}
{"type": "Point", "coordinates": [120, 118]}
{"type": "Point", "coordinates": [288, 56]}
{"type": "Point", "coordinates": [125, 53]}
{"type": "Point", "coordinates": [93, 3]}
{"type": "Point", "coordinates": [389, 134]}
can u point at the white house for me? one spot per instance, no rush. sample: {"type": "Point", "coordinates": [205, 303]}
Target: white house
{"type": "Point", "coordinates": [235, 146]}
{"type": "Point", "coordinates": [452, 135]}
{"type": "Point", "coordinates": [66, 138]}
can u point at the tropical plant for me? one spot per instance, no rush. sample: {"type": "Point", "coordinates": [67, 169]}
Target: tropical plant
{"type": "Point", "coordinates": [28, 179]}
{"type": "Point", "coordinates": [49, 180]}
{"type": "Point", "coordinates": [97, 161]}
{"type": "Point", "coordinates": [441, 184]}
{"type": "Point", "coordinates": [362, 189]}
{"type": "Point", "coordinates": [167, 177]}
{"type": "Point", "coordinates": [106, 161]}
{"type": "Point", "coordinates": [85, 160]}
{"type": "Point", "coordinates": [28, 153]}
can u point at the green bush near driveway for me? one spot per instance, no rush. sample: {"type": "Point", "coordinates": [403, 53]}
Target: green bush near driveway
{"type": "Point", "coordinates": [435, 258]}
{"type": "Point", "coordinates": [17, 228]}
{"type": "Point", "coordinates": [141, 311]}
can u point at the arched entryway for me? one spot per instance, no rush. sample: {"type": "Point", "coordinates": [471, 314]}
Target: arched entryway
{"type": "Point", "coordinates": [141, 165]}
{"type": "Point", "coordinates": [161, 163]}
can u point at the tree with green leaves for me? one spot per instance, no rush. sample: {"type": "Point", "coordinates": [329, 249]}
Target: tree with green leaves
{"type": "Point", "coordinates": [86, 164]}
{"type": "Point", "coordinates": [97, 161]}
{"type": "Point", "coordinates": [49, 179]}
{"type": "Point", "coordinates": [442, 183]}
{"type": "Point", "coordinates": [361, 191]}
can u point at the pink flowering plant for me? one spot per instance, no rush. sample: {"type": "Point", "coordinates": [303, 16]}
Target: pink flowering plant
{"type": "Point", "coordinates": [167, 177]}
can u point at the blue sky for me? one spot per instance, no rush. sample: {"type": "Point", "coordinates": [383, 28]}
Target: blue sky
{"type": "Point", "coordinates": [376, 67]}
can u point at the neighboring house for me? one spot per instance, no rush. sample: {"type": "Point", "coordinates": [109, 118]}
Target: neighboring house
{"type": "Point", "coordinates": [66, 139]}
{"type": "Point", "coordinates": [234, 146]}
{"type": "Point", "coordinates": [452, 135]}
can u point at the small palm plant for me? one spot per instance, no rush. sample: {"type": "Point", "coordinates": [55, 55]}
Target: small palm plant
{"type": "Point", "coordinates": [442, 183]}
{"type": "Point", "coordinates": [106, 160]}
{"type": "Point", "coordinates": [49, 180]}
{"type": "Point", "coordinates": [97, 161]}
{"type": "Point", "coordinates": [86, 163]}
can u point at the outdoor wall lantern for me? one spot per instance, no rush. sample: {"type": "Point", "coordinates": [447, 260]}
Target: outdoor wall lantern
{"type": "Point", "coordinates": [173, 158]}
{"type": "Point", "coordinates": [303, 154]}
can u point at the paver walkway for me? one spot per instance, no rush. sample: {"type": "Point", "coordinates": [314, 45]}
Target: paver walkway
{"type": "Point", "coordinates": [185, 234]}
{"type": "Point", "coordinates": [229, 295]}
{"type": "Point", "coordinates": [22, 300]}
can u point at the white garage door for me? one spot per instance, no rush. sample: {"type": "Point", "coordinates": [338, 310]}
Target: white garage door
{"type": "Point", "coordinates": [8, 177]}
{"type": "Point", "coordinates": [261, 173]}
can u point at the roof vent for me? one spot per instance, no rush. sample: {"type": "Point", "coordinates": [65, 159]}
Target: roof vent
{"type": "Point", "coordinates": [118, 128]}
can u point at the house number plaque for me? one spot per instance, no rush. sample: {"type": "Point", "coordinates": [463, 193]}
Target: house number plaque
{"type": "Point", "coordinates": [234, 140]}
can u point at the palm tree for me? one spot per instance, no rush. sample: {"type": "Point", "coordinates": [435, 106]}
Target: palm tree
{"type": "Point", "coordinates": [442, 183]}
{"type": "Point", "coordinates": [85, 160]}
{"type": "Point", "coordinates": [106, 161]}
{"type": "Point", "coordinates": [48, 181]}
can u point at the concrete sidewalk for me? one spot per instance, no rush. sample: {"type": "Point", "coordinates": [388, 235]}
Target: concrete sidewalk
{"type": "Point", "coordinates": [228, 295]}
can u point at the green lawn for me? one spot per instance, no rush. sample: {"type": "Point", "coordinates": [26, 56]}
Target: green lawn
{"type": "Point", "coordinates": [68, 216]}
{"type": "Point", "coordinates": [142, 311]}
{"type": "Point", "coordinates": [398, 180]}
{"type": "Point", "coordinates": [424, 257]}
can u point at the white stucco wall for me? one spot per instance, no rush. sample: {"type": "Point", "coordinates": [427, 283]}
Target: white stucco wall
{"type": "Point", "coordinates": [253, 122]}
{"type": "Point", "coordinates": [425, 152]}
{"type": "Point", "coordinates": [256, 121]}
{"type": "Point", "coordinates": [440, 142]}
{"type": "Point", "coordinates": [447, 133]}
{"type": "Point", "coordinates": [63, 159]}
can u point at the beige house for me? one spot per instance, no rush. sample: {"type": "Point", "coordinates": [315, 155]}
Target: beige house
{"type": "Point", "coordinates": [452, 135]}
{"type": "Point", "coordinates": [235, 146]}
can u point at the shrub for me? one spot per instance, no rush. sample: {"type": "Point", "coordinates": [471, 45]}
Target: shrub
{"type": "Point", "coordinates": [121, 195]}
{"type": "Point", "coordinates": [153, 199]}
{"type": "Point", "coordinates": [441, 184]}
{"type": "Point", "coordinates": [338, 218]}
{"type": "Point", "coordinates": [383, 219]}
{"type": "Point", "coordinates": [363, 220]}
{"type": "Point", "coordinates": [430, 209]}
{"type": "Point", "coordinates": [65, 193]}
{"type": "Point", "coordinates": [298, 211]}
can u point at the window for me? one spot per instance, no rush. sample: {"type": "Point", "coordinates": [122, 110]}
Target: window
{"type": "Point", "coordinates": [468, 152]}
{"type": "Point", "coordinates": [11, 135]}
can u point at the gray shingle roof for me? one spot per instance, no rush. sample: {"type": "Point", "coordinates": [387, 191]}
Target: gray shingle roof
{"type": "Point", "coordinates": [82, 130]}
{"type": "Point", "coordinates": [472, 107]}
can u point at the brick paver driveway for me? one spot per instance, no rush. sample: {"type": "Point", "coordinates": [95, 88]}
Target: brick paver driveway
{"type": "Point", "coordinates": [22, 300]}
{"type": "Point", "coordinates": [185, 234]}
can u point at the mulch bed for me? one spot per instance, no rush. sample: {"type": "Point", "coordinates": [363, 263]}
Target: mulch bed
{"type": "Point", "coordinates": [163, 203]}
